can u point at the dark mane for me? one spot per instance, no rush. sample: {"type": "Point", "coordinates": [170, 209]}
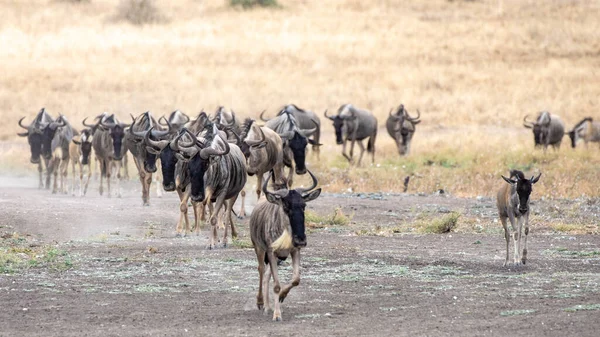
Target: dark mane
{"type": "Point", "coordinates": [587, 119]}
{"type": "Point", "coordinates": [517, 173]}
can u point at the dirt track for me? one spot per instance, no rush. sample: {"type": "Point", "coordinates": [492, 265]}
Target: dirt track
{"type": "Point", "coordinates": [112, 267]}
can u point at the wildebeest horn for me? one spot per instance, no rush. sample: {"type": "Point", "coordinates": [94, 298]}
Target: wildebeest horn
{"type": "Point", "coordinates": [21, 125]}
{"type": "Point", "coordinates": [263, 118]}
{"type": "Point", "coordinates": [23, 134]}
{"type": "Point", "coordinates": [413, 119]}
{"type": "Point", "coordinates": [526, 123]}
{"type": "Point", "coordinates": [286, 135]}
{"type": "Point", "coordinates": [166, 120]}
{"type": "Point", "coordinates": [252, 142]}
{"type": "Point", "coordinates": [330, 117]}
{"type": "Point", "coordinates": [308, 132]}
{"type": "Point", "coordinates": [315, 182]}
{"type": "Point", "coordinates": [88, 125]}
{"type": "Point", "coordinates": [282, 192]}
{"type": "Point", "coordinates": [161, 144]}
{"type": "Point", "coordinates": [395, 117]}
{"type": "Point", "coordinates": [211, 151]}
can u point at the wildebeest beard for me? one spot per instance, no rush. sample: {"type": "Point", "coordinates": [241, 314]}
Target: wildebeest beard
{"type": "Point", "coordinates": [197, 167]}
{"type": "Point", "coordinates": [168, 162]}
{"type": "Point", "coordinates": [298, 146]}
{"type": "Point", "coordinates": [47, 136]}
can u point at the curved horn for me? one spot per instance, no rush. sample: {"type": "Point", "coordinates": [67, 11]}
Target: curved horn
{"type": "Point", "coordinates": [166, 120]}
{"type": "Point", "coordinates": [211, 151]}
{"type": "Point", "coordinates": [395, 117]}
{"type": "Point", "coordinates": [21, 125]}
{"type": "Point", "coordinates": [159, 133]}
{"type": "Point", "coordinates": [161, 144]}
{"type": "Point", "coordinates": [330, 117]}
{"type": "Point", "coordinates": [262, 118]}
{"type": "Point", "coordinates": [252, 142]}
{"type": "Point", "coordinates": [286, 135]}
{"type": "Point", "coordinates": [413, 119]}
{"type": "Point", "coordinates": [282, 192]}
{"type": "Point", "coordinates": [23, 134]}
{"type": "Point", "coordinates": [308, 132]}
{"type": "Point", "coordinates": [526, 123]}
{"type": "Point", "coordinates": [315, 182]}
{"type": "Point", "coordinates": [88, 125]}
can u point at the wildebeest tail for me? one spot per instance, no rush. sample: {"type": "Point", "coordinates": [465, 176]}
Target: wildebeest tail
{"type": "Point", "coordinates": [371, 143]}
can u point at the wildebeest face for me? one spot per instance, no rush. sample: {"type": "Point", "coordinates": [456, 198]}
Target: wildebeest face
{"type": "Point", "coordinates": [117, 133]}
{"type": "Point", "coordinates": [168, 162]}
{"type": "Point", "coordinates": [150, 162]}
{"type": "Point", "coordinates": [293, 205]}
{"type": "Point", "coordinates": [573, 136]}
{"type": "Point", "coordinates": [537, 135]}
{"type": "Point", "coordinates": [523, 189]}
{"type": "Point", "coordinates": [47, 136]}
{"type": "Point", "coordinates": [35, 145]}
{"type": "Point", "coordinates": [197, 167]}
{"type": "Point", "coordinates": [338, 124]}
{"type": "Point", "coordinates": [86, 149]}
{"type": "Point", "coordinates": [298, 146]}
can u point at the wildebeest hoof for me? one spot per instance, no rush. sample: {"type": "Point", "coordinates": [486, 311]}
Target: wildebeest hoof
{"type": "Point", "coordinates": [146, 204]}
{"type": "Point", "coordinates": [277, 318]}
{"type": "Point", "coordinates": [178, 235]}
{"type": "Point", "coordinates": [260, 306]}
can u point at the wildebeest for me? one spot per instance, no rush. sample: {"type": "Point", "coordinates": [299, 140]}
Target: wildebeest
{"type": "Point", "coordinates": [587, 129]}
{"type": "Point", "coordinates": [109, 149]}
{"type": "Point", "coordinates": [306, 120]}
{"type": "Point", "coordinates": [548, 129]}
{"type": "Point", "coordinates": [401, 127]}
{"type": "Point", "coordinates": [263, 150]}
{"type": "Point", "coordinates": [513, 204]}
{"type": "Point", "coordinates": [294, 140]}
{"type": "Point", "coordinates": [80, 151]}
{"type": "Point", "coordinates": [108, 119]}
{"type": "Point", "coordinates": [217, 173]}
{"type": "Point", "coordinates": [144, 162]}
{"type": "Point", "coordinates": [226, 121]}
{"type": "Point", "coordinates": [277, 230]}
{"type": "Point", "coordinates": [56, 138]}
{"type": "Point", "coordinates": [354, 125]}
{"type": "Point", "coordinates": [34, 135]}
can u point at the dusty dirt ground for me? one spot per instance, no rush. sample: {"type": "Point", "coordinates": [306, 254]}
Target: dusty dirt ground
{"type": "Point", "coordinates": [111, 267]}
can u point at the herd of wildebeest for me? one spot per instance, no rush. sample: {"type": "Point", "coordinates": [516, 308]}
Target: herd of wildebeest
{"type": "Point", "coordinates": [208, 159]}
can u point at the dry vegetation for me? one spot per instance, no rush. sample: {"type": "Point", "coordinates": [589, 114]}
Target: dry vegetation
{"type": "Point", "coordinates": [473, 69]}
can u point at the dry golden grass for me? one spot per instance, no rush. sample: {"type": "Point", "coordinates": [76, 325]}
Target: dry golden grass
{"type": "Point", "coordinates": [473, 69]}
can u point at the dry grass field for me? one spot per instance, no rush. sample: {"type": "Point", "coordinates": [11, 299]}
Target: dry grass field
{"type": "Point", "coordinates": [473, 69]}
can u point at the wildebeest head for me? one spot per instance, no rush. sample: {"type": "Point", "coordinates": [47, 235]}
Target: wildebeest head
{"type": "Point", "coordinates": [539, 127]}
{"type": "Point", "coordinates": [35, 133]}
{"type": "Point", "coordinates": [85, 145]}
{"type": "Point", "coordinates": [404, 128]}
{"type": "Point", "coordinates": [253, 146]}
{"type": "Point", "coordinates": [136, 134]}
{"type": "Point", "coordinates": [575, 134]}
{"type": "Point", "coordinates": [48, 134]}
{"type": "Point", "coordinates": [293, 202]}
{"type": "Point", "coordinates": [160, 146]}
{"type": "Point", "coordinates": [523, 188]}
{"type": "Point", "coordinates": [199, 153]}
{"type": "Point", "coordinates": [295, 141]}
{"type": "Point", "coordinates": [338, 122]}
{"type": "Point", "coordinates": [116, 132]}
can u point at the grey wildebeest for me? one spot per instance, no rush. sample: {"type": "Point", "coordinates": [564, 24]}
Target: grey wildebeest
{"type": "Point", "coordinates": [144, 162]}
{"type": "Point", "coordinates": [34, 135]}
{"type": "Point", "coordinates": [355, 125]}
{"type": "Point", "coordinates": [226, 121]}
{"type": "Point", "coordinates": [587, 129]}
{"type": "Point", "coordinates": [56, 138]}
{"type": "Point", "coordinates": [108, 147]}
{"type": "Point", "coordinates": [262, 148]}
{"type": "Point", "coordinates": [108, 120]}
{"type": "Point", "coordinates": [513, 204]}
{"type": "Point", "coordinates": [294, 140]}
{"type": "Point", "coordinates": [401, 127]}
{"type": "Point", "coordinates": [306, 120]}
{"type": "Point", "coordinates": [277, 230]}
{"type": "Point", "coordinates": [217, 172]}
{"type": "Point", "coordinates": [547, 129]}
{"type": "Point", "coordinates": [80, 151]}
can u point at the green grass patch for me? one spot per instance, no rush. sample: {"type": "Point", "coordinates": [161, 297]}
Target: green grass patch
{"type": "Point", "coordinates": [517, 312]}
{"type": "Point", "coordinates": [17, 255]}
{"type": "Point", "coordinates": [338, 218]}
{"type": "Point", "coordinates": [441, 225]}
{"type": "Point", "coordinates": [247, 4]}
{"type": "Point", "coordinates": [242, 243]}
{"type": "Point", "coordinates": [582, 307]}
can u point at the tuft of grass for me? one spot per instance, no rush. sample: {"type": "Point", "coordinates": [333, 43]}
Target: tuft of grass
{"type": "Point", "coordinates": [242, 243]}
{"type": "Point", "coordinates": [139, 12]}
{"type": "Point", "coordinates": [581, 307]}
{"type": "Point", "coordinates": [441, 225]}
{"type": "Point", "coordinates": [16, 257]}
{"type": "Point", "coordinates": [247, 4]}
{"type": "Point", "coordinates": [338, 218]}
{"type": "Point", "coordinates": [517, 312]}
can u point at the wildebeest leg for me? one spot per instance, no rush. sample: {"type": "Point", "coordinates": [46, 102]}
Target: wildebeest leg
{"type": "Point", "coordinates": [109, 168]}
{"type": "Point", "coordinates": [158, 180]}
{"type": "Point", "coordinates": [102, 173]}
{"type": "Point", "coordinates": [183, 209]}
{"type": "Point", "coordinates": [49, 168]}
{"type": "Point", "coordinates": [64, 172]}
{"type": "Point", "coordinates": [89, 175]}
{"type": "Point", "coordinates": [266, 290]}
{"type": "Point", "coordinates": [40, 171]}
{"type": "Point", "coordinates": [276, 287]}
{"type": "Point", "coordinates": [55, 169]}
{"type": "Point", "coordinates": [362, 151]}
{"type": "Point", "coordinates": [214, 217]}
{"type": "Point", "coordinates": [507, 237]}
{"type": "Point", "coordinates": [117, 164]}
{"type": "Point", "coordinates": [290, 176]}
{"type": "Point", "coordinates": [125, 168]}
{"type": "Point", "coordinates": [517, 241]}
{"type": "Point", "coordinates": [524, 256]}
{"type": "Point", "coordinates": [260, 256]}
{"type": "Point", "coordinates": [286, 289]}
{"type": "Point", "coordinates": [344, 150]}
{"type": "Point", "coordinates": [242, 212]}
{"type": "Point", "coordinates": [229, 218]}
{"type": "Point", "coordinates": [259, 183]}
{"type": "Point", "coordinates": [73, 178]}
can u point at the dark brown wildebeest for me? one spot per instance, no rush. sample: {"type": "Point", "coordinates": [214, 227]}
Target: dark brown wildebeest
{"type": "Point", "coordinates": [277, 230]}
{"type": "Point", "coordinates": [355, 125]}
{"type": "Point", "coordinates": [547, 129]}
{"type": "Point", "coordinates": [80, 151]}
{"type": "Point", "coordinates": [401, 127]}
{"type": "Point", "coordinates": [587, 129]}
{"type": "Point", "coordinates": [34, 135]}
{"type": "Point", "coordinates": [513, 204]}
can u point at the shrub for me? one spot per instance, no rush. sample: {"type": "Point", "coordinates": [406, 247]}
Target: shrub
{"type": "Point", "coordinates": [246, 4]}
{"type": "Point", "coordinates": [441, 225]}
{"type": "Point", "coordinates": [139, 12]}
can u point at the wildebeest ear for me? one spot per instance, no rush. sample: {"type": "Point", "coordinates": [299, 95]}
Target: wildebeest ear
{"type": "Point", "coordinates": [23, 134]}
{"type": "Point", "coordinates": [258, 146]}
{"type": "Point", "coordinates": [76, 142]}
{"type": "Point", "coordinates": [273, 198]}
{"type": "Point", "coordinates": [152, 150]}
{"type": "Point", "coordinates": [535, 180]}
{"type": "Point", "coordinates": [510, 181]}
{"type": "Point", "coordinates": [312, 195]}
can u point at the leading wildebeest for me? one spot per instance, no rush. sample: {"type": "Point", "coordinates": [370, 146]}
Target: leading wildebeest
{"type": "Point", "coordinates": [56, 138]}
{"type": "Point", "coordinates": [108, 147]}
{"type": "Point", "coordinates": [587, 129]}
{"type": "Point", "coordinates": [144, 162]}
{"type": "Point", "coordinates": [401, 127]}
{"type": "Point", "coordinates": [513, 204]}
{"type": "Point", "coordinates": [306, 120]}
{"type": "Point", "coordinates": [34, 135]}
{"type": "Point", "coordinates": [294, 140]}
{"type": "Point", "coordinates": [217, 173]}
{"type": "Point", "coordinates": [80, 151]}
{"type": "Point", "coordinates": [277, 230]}
{"type": "Point", "coordinates": [547, 129]}
{"type": "Point", "coordinates": [354, 125]}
